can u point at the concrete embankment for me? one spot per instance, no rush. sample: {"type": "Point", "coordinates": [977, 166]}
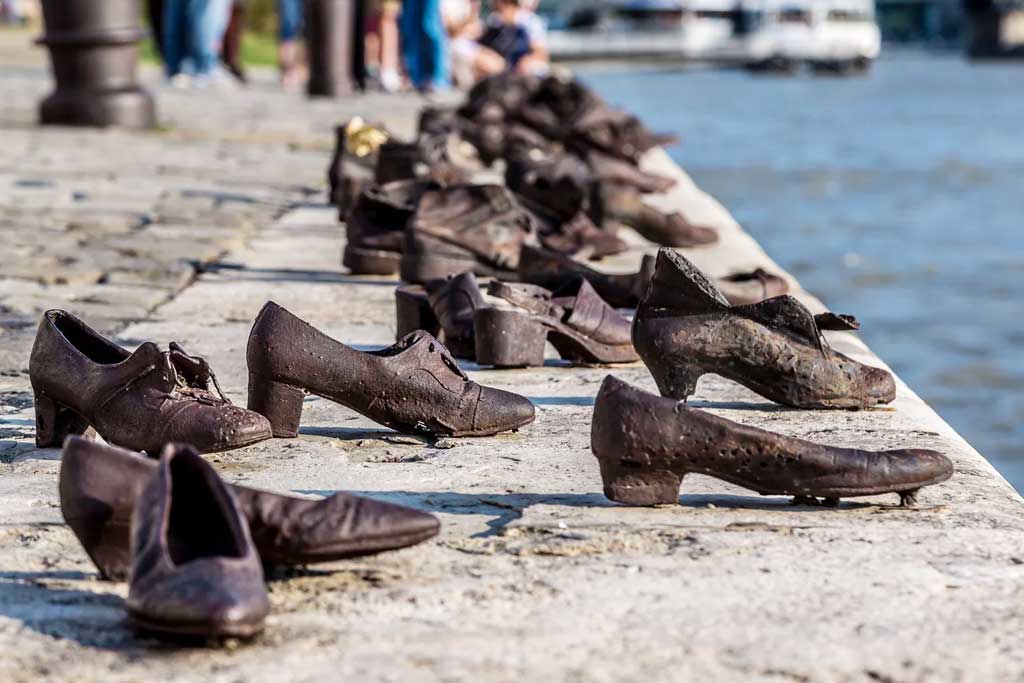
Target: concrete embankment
{"type": "Point", "coordinates": [535, 576]}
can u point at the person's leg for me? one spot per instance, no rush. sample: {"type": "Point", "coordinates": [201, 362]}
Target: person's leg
{"type": "Point", "coordinates": [390, 59]}
{"type": "Point", "coordinates": [411, 25]}
{"type": "Point", "coordinates": [438, 71]}
{"type": "Point", "coordinates": [209, 20]}
{"type": "Point", "coordinates": [289, 25]}
{"type": "Point", "coordinates": [231, 46]}
{"type": "Point", "coordinates": [155, 15]}
{"type": "Point", "coordinates": [175, 36]}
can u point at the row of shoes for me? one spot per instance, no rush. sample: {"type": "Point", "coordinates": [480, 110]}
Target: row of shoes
{"type": "Point", "coordinates": [193, 547]}
{"type": "Point", "coordinates": [412, 206]}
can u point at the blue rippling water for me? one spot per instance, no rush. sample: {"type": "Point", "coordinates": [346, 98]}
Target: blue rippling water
{"type": "Point", "coordinates": [898, 197]}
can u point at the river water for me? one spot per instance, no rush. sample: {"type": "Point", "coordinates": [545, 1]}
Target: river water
{"type": "Point", "coordinates": [898, 197]}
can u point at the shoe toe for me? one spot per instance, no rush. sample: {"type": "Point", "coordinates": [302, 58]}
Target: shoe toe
{"type": "Point", "coordinates": [227, 427]}
{"type": "Point", "coordinates": [500, 411]}
{"type": "Point", "coordinates": [879, 385]}
{"type": "Point", "coordinates": [919, 464]}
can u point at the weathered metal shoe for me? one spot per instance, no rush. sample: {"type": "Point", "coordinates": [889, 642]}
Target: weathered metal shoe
{"type": "Point", "coordinates": [413, 386]}
{"type": "Point", "coordinates": [577, 322]}
{"type": "Point", "coordinates": [557, 190]}
{"type": "Point", "coordinates": [626, 205]}
{"type": "Point", "coordinates": [752, 286]}
{"type": "Point", "coordinates": [375, 226]}
{"type": "Point", "coordinates": [443, 308]}
{"type": "Point", "coordinates": [646, 444]}
{"type": "Point", "coordinates": [354, 160]}
{"type": "Point", "coordinates": [426, 158]}
{"type": "Point", "coordinates": [99, 485]}
{"type": "Point", "coordinates": [140, 400]}
{"type": "Point", "coordinates": [195, 571]}
{"type": "Point", "coordinates": [684, 328]}
{"type": "Point", "coordinates": [614, 171]}
{"type": "Point", "coordinates": [465, 228]}
{"type": "Point", "coordinates": [552, 270]}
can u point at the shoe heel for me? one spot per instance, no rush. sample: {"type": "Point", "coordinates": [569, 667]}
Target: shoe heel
{"type": "Point", "coordinates": [508, 339]}
{"type": "Point", "coordinates": [417, 269]}
{"type": "Point", "coordinates": [55, 422]}
{"type": "Point", "coordinates": [370, 261]}
{"type": "Point", "coordinates": [280, 403]}
{"type": "Point", "coordinates": [677, 381]}
{"type": "Point", "coordinates": [413, 312]}
{"type": "Point", "coordinates": [631, 483]}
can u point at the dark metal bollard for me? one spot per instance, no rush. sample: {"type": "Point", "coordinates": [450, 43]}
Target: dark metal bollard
{"type": "Point", "coordinates": [334, 46]}
{"type": "Point", "coordinates": [94, 50]}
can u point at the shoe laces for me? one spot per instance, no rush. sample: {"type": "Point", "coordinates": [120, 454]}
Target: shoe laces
{"type": "Point", "coordinates": [191, 377]}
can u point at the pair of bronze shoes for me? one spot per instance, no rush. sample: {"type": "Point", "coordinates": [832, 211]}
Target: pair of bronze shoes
{"type": "Point", "coordinates": [145, 399]}
{"type": "Point", "coordinates": [193, 547]}
{"type": "Point", "coordinates": [577, 322]}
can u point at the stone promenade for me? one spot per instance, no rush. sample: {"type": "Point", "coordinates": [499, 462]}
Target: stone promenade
{"type": "Point", "coordinates": [183, 233]}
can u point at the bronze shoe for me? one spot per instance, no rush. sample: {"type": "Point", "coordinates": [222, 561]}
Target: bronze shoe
{"type": "Point", "coordinates": [413, 386]}
{"type": "Point", "coordinates": [577, 322]}
{"type": "Point", "coordinates": [99, 485]}
{"type": "Point", "coordinates": [375, 227]}
{"type": "Point", "coordinates": [751, 287]}
{"type": "Point", "coordinates": [195, 571]}
{"type": "Point", "coordinates": [685, 328]}
{"type": "Point", "coordinates": [552, 270]}
{"type": "Point", "coordinates": [140, 400]}
{"type": "Point", "coordinates": [443, 308]}
{"type": "Point", "coordinates": [646, 444]}
{"type": "Point", "coordinates": [626, 205]}
{"type": "Point", "coordinates": [353, 163]}
{"type": "Point", "coordinates": [465, 228]}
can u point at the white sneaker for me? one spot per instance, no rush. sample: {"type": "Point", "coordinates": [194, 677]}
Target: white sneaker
{"type": "Point", "coordinates": [181, 81]}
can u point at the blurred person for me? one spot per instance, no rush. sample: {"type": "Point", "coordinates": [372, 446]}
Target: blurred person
{"type": "Point", "coordinates": [289, 30]}
{"type": "Point", "coordinates": [231, 45]}
{"type": "Point", "coordinates": [515, 33]}
{"type": "Point", "coordinates": [10, 12]}
{"type": "Point", "coordinates": [470, 61]}
{"type": "Point", "coordinates": [383, 53]}
{"type": "Point", "coordinates": [155, 14]}
{"type": "Point", "coordinates": [425, 44]}
{"type": "Point", "coordinates": [193, 30]}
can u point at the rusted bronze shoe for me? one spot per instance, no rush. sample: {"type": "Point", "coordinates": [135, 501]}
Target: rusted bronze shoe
{"type": "Point", "coordinates": [607, 169]}
{"type": "Point", "coordinates": [426, 158]}
{"type": "Point", "coordinates": [684, 328]}
{"type": "Point", "coordinates": [626, 205]}
{"type": "Point", "coordinates": [553, 270]}
{"type": "Point", "coordinates": [195, 571]}
{"type": "Point", "coordinates": [646, 444]}
{"type": "Point", "coordinates": [577, 322]}
{"type": "Point", "coordinates": [140, 400]}
{"type": "Point", "coordinates": [354, 160]}
{"type": "Point", "coordinates": [443, 308]}
{"type": "Point", "coordinates": [99, 485]}
{"type": "Point", "coordinates": [556, 190]}
{"type": "Point", "coordinates": [414, 386]}
{"type": "Point", "coordinates": [465, 228]}
{"type": "Point", "coordinates": [375, 226]}
{"type": "Point", "coordinates": [752, 286]}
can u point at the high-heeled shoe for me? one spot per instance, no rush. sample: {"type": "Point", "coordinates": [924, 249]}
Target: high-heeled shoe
{"type": "Point", "coordinates": [684, 328]}
{"type": "Point", "coordinates": [577, 322]}
{"type": "Point", "coordinates": [646, 444]}
{"type": "Point", "coordinates": [140, 400]}
{"type": "Point", "coordinates": [413, 386]}
{"type": "Point", "coordinates": [443, 308]}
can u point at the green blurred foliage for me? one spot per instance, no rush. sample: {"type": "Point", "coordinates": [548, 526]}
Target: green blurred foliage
{"type": "Point", "coordinates": [261, 16]}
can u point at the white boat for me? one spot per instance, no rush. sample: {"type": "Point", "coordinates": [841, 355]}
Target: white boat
{"type": "Point", "coordinates": [836, 35]}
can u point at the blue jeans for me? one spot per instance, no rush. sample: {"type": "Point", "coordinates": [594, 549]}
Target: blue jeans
{"type": "Point", "coordinates": [192, 33]}
{"type": "Point", "coordinates": [425, 43]}
{"type": "Point", "coordinates": [289, 19]}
